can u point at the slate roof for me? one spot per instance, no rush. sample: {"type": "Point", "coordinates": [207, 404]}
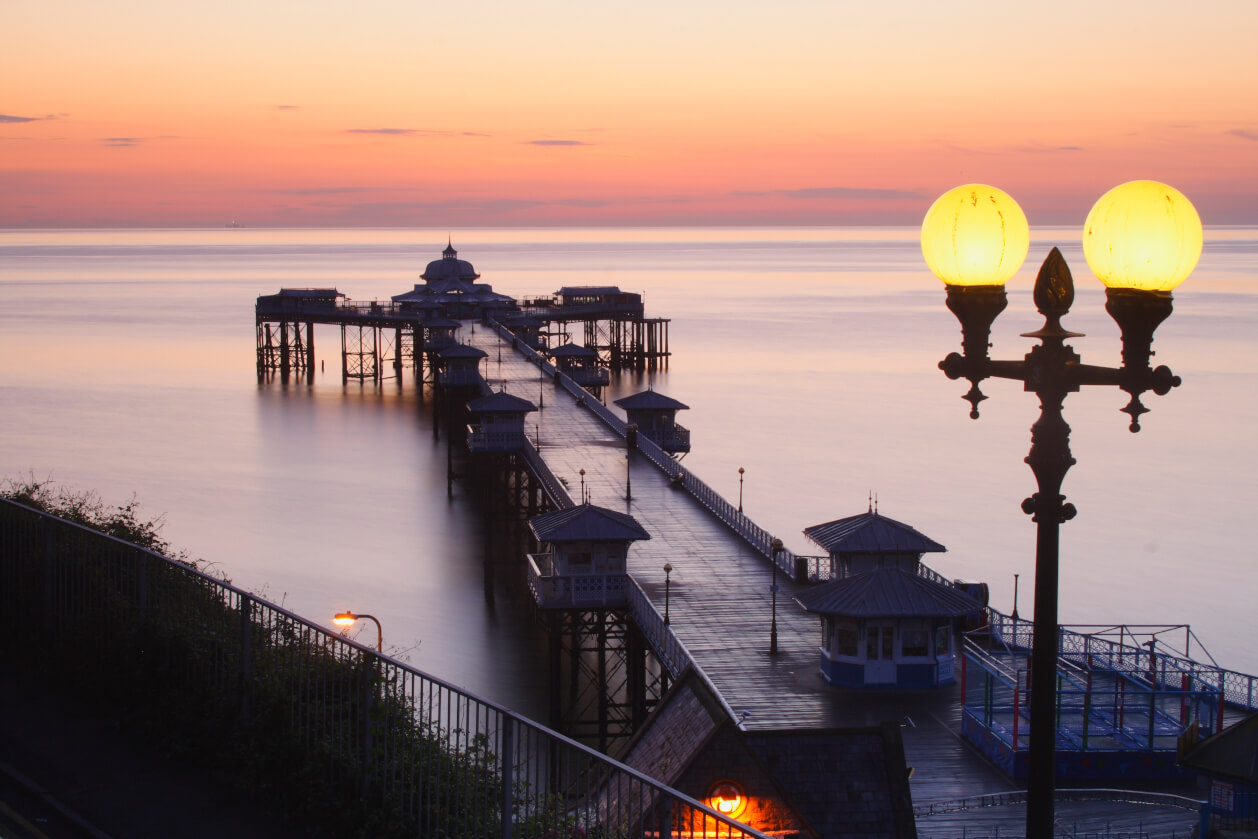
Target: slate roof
{"type": "Point", "coordinates": [572, 351]}
{"type": "Point", "coordinates": [463, 351]}
{"type": "Point", "coordinates": [1232, 752]}
{"type": "Point", "coordinates": [588, 291]}
{"type": "Point", "coordinates": [309, 293]}
{"type": "Point", "coordinates": [500, 402]}
{"type": "Point", "coordinates": [887, 593]}
{"type": "Point", "coordinates": [841, 783]}
{"type": "Point", "coordinates": [870, 533]}
{"type": "Point", "coordinates": [649, 400]}
{"type": "Point", "coordinates": [586, 523]}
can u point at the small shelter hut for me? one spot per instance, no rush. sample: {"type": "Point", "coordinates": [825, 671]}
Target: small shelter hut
{"type": "Point", "coordinates": [460, 366]}
{"type": "Point", "coordinates": [497, 422]}
{"type": "Point", "coordinates": [655, 415]}
{"type": "Point", "coordinates": [581, 364]}
{"type": "Point", "coordinates": [583, 563]}
{"type": "Point", "coordinates": [883, 623]}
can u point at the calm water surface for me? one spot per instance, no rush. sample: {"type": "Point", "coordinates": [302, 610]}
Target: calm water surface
{"type": "Point", "coordinates": [808, 357]}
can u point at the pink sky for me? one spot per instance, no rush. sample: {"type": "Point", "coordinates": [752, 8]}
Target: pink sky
{"type": "Point", "coordinates": [800, 112]}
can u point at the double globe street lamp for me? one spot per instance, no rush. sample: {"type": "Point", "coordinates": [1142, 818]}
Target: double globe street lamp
{"type": "Point", "coordinates": [1141, 239]}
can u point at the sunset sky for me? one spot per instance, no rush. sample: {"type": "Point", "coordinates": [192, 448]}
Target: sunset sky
{"type": "Point", "coordinates": [474, 113]}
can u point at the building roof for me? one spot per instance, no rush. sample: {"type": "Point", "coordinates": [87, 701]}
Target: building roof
{"type": "Point", "coordinates": [839, 783]}
{"type": "Point", "coordinates": [500, 402]}
{"type": "Point", "coordinates": [588, 290]}
{"type": "Point", "coordinates": [449, 267]}
{"type": "Point", "coordinates": [870, 533]}
{"type": "Point", "coordinates": [586, 523]}
{"type": "Point", "coordinates": [1232, 752]}
{"type": "Point", "coordinates": [463, 351]}
{"type": "Point", "coordinates": [310, 293]}
{"type": "Point", "coordinates": [649, 400]}
{"type": "Point", "coordinates": [571, 351]}
{"type": "Point", "coordinates": [887, 593]}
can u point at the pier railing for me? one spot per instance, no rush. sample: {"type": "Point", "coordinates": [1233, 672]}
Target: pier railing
{"type": "Point", "coordinates": [1155, 661]}
{"type": "Point", "coordinates": [382, 733]}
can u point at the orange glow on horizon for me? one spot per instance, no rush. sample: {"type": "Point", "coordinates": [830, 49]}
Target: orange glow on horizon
{"type": "Point", "coordinates": [282, 115]}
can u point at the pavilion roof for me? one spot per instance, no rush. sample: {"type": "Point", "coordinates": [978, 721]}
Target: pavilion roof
{"type": "Point", "coordinates": [571, 351]}
{"type": "Point", "coordinates": [870, 533]}
{"type": "Point", "coordinates": [887, 593]}
{"type": "Point", "coordinates": [500, 402]}
{"type": "Point", "coordinates": [587, 523]}
{"type": "Point", "coordinates": [650, 400]}
{"type": "Point", "coordinates": [463, 351]}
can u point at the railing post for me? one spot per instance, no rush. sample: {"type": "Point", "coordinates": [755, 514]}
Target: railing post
{"type": "Point", "coordinates": [246, 669]}
{"type": "Point", "coordinates": [666, 818]}
{"type": "Point", "coordinates": [508, 774]}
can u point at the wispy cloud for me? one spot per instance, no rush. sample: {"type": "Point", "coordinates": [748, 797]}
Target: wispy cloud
{"type": "Point", "coordinates": [1044, 148]}
{"type": "Point", "coordinates": [321, 190]}
{"type": "Point", "coordinates": [392, 132]}
{"type": "Point", "coordinates": [556, 143]}
{"type": "Point", "coordinates": [1244, 134]}
{"type": "Point", "coordinates": [286, 107]}
{"type": "Point", "coordinates": [832, 192]}
{"type": "Point", "coordinates": [131, 142]}
{"type": "Point", "coordinates": [9, 118]}
{"type": "Point", "coordinates": [414, 132]}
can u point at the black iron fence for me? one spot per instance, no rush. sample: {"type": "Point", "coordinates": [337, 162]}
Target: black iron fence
{"type": "Point", "coordinates": [431, 757]}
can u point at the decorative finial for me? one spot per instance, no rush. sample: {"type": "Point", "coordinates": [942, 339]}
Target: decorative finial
{"type": "Point", "coordinates": [871, 501]}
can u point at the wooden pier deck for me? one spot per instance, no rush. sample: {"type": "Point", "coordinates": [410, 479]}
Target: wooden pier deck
{"type": "Point", "coordinates": [720, 609]}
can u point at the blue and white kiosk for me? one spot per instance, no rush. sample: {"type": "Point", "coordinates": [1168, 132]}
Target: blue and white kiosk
{"type": "Point", "coordinates": [884, 624]}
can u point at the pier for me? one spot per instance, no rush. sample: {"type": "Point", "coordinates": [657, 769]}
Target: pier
{"type": "Point", "coordinates": [706, 606]}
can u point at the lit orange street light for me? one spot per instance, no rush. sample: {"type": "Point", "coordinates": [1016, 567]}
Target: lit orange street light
{"type": "Point", "coordinates": [348, 618]}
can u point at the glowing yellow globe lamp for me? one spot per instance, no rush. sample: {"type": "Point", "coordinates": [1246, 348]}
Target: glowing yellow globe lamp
{"type": "Point", "coordinates": [975, 235]}
{"type": "Point", "coordinates": [1142, 235]}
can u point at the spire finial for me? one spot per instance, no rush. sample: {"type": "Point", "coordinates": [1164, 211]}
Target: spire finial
{"type": "Point", "coordinates": [871, 501]}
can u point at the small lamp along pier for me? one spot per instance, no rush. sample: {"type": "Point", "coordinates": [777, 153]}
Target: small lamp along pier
{"type": "Point", "coordinates": [657, 591]}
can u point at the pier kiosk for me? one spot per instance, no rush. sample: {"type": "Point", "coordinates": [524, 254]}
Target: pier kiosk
{"type": "Point", "coordinates": [497, 422]}
{"type": "Point", "coordinates": [581, 364]}
{"type": "Point", "coordinates": [883, 623]}
{"type": "Point", "coordinates": [655, 415]}
{"type": "Point", "coordinates": [460, 366]}
{"type": "Point", "coordinates": [584, 559]}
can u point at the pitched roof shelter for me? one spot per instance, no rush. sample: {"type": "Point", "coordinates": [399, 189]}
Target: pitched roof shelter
{"type": "Point", "coordinates": [586, 523]}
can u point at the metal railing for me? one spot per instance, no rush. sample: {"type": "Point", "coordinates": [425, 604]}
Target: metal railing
{"type": "Point", "coordinates": [1015, 797]}
{"type": "Point", "coordinates": [1162, 666]}
{"type": "Point", "coordinates": [447, 761]}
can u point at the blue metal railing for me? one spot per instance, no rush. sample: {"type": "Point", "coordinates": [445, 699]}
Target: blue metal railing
{"type": "Point", "coordinates": [452, 762]}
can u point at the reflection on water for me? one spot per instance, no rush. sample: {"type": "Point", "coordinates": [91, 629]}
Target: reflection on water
{"type": "Point", "coordinates": [808, 357]}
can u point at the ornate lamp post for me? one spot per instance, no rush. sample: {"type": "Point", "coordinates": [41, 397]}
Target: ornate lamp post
{"type": "Point", "coordinates": [740, 488]}
{"type": "Point", "coordinates": [348, 618]}
{"type": "Point", "coordinates": [1141, 239]}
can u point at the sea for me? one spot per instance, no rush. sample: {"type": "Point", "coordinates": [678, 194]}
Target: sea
{"type": "Point", "coordinates": [808, 358]}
